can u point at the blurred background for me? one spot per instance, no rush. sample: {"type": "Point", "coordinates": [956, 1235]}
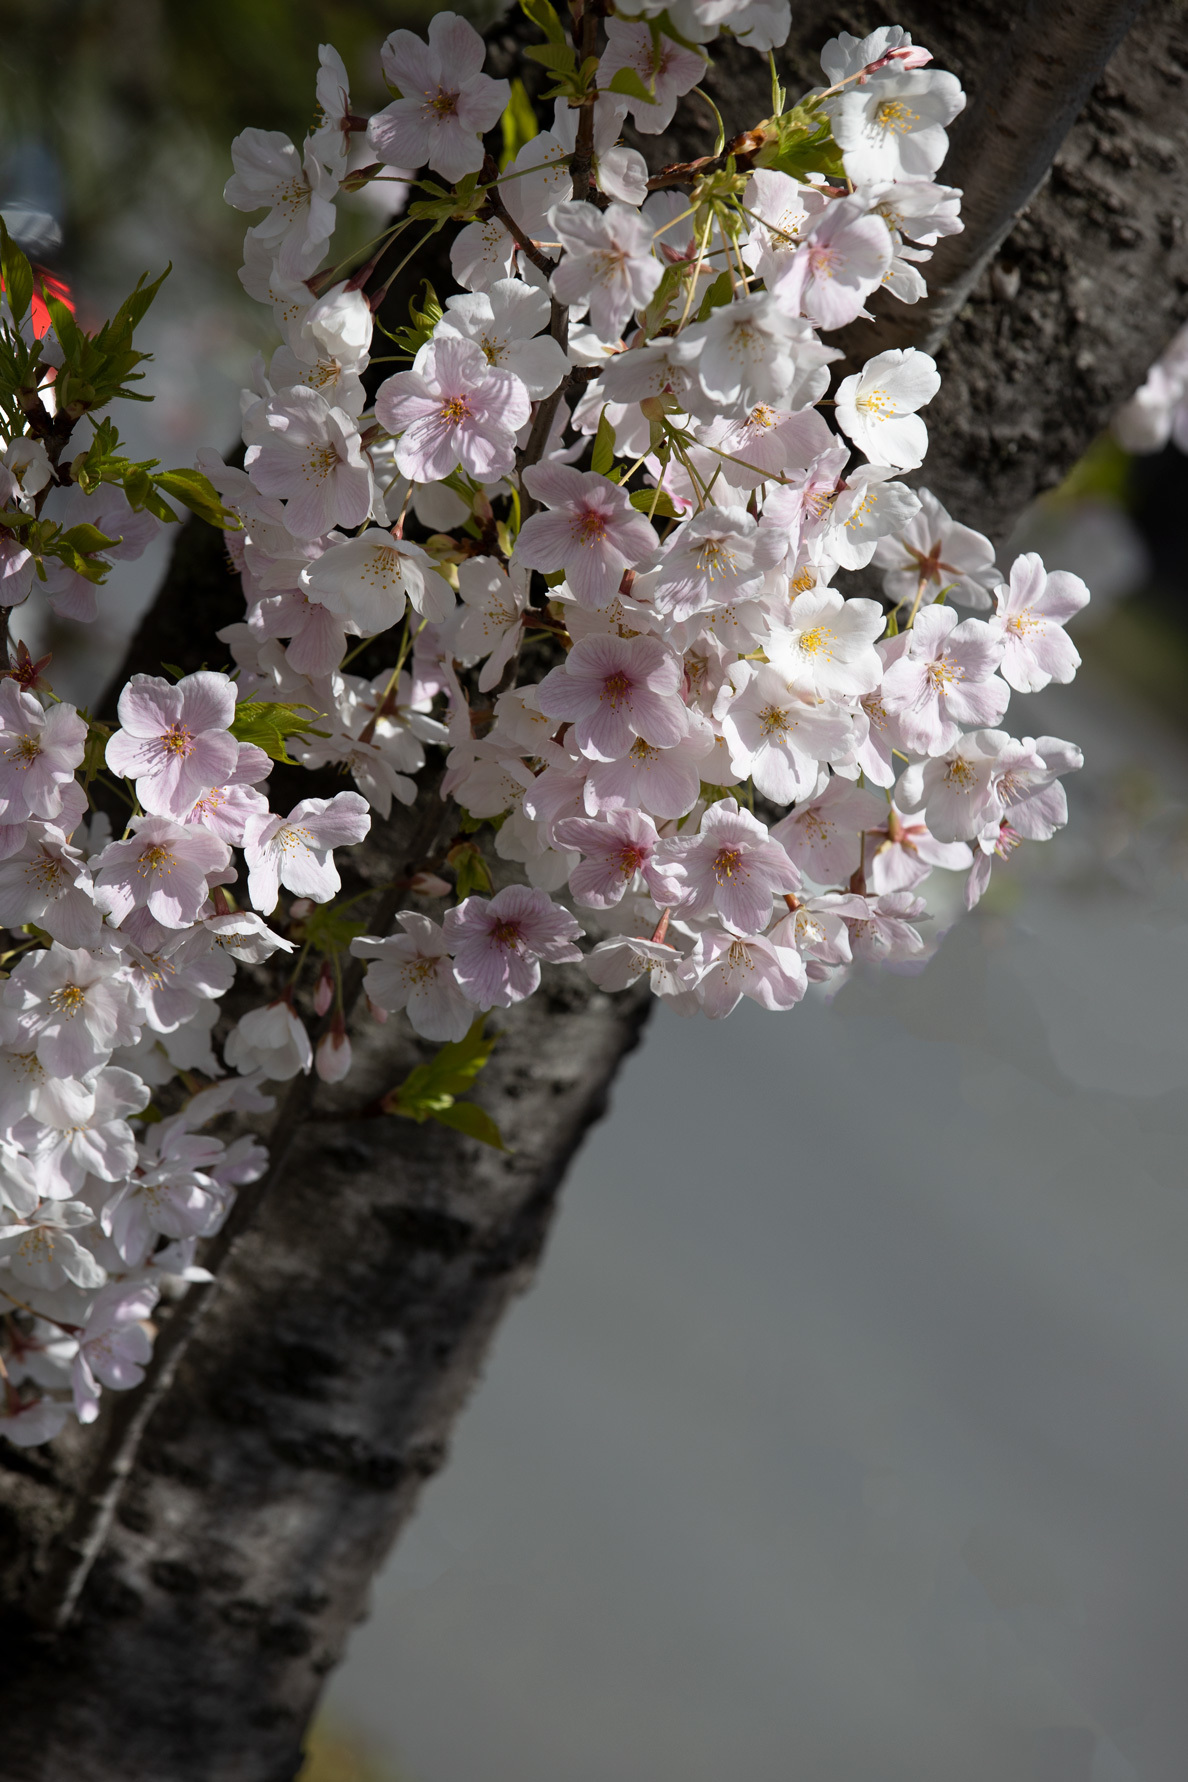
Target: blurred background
{"type": "Point", "coordinates": [841, 1449]}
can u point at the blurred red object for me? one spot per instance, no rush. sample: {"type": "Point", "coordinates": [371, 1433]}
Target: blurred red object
{"type": "Point", "coordinates": [46, 285]}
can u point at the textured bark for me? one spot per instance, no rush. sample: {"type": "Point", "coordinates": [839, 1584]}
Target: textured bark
{"type": "Point", "coordinates": [236, 1515]}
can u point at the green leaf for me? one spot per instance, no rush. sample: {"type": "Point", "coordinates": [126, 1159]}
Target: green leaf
{"type": "Point", "coordinates": [475, 1122]}
{"type": "Point", "coordinates": [518, 123]}
{"type": "Point", "coordinates": [642, 499]}
{"type": "Point", "coordinates": [544, 18]}
{"type": "Point", "coordinates": [431, 1087]}
{"type": "Point", "coordinates": [329, 930]}
{"type": "Point", "coordinates": [267, 726]}
{"type": "Point", "coordinates": [471, 872]}
{"type": "Point", "coordinates": [17, 275]}
{"type": "Point", "coordinates": [87, 538]}
{"type": "Point", "coordinates": [558, 57]}
{"type": "Point", "coordinates": [720, 293]}
{"type": "Point", "coordinates": [801, 142]}
{"type": "Point", "coordinates": [199, 494]}
{"type": "Point", "coordinates": [626, 80]}
{"type": "Point", "coordinates": [603, 457]}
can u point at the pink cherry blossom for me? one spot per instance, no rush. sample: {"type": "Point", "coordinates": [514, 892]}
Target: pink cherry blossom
{"type": "Point", "coordinates": [163, 866]}
{"type": "Point", "coordinates": [70, 1006]}
{"type": "Point", "coordinates": [413, 971]}
{"type": "Point", "coordinates": [945, 678]}
{"type": "Point", "coordinates": [297, 851]}
{"type": "Point", "coordinates": [775, 735]}
{"type": "Point", "coordinates": [453, 408]}
{"type": "Point", "coordinates": [313, 459]}
{"type": "Point", "coordinates": [608, 266]}
{"type": "Point", "coordinates": [723, 968]}
{"type": "Point", "coordinates": [591, 531]}
{"type": "Point", "coordinates": [114, 1345]}
{"type": "Point", "coordinates": [498, 943]}
{"type": "Point", "coordinates": [823, 836]}
{"type": "Point", "coordinates": [845, 252]}
{"type": "Point", "coordinates": [174, 740]}
{"type": "Point", "coordinates": [39, 752]}
{"type": "Point", "coordinates": [732, 867]}
{"type": "Point", "coordinates": [447, 103]}
{"type": "Point", "coordinates": [900, 853]}
{"type": "Point", "coordinates": [616, 848]}
{"type": "Point", "coordinates": [1029, 621]}
{"type": "Point", "coordinates": [614, 689]}
{"type": "Point", "coordinates": [664, 67]}
{"type": "Point", "coordinates": [272, 1040]}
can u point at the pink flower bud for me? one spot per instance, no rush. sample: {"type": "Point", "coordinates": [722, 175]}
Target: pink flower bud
{"type": "Point", "coordinates": [301, 907]}
{"type": "Point", "coordinates": [375, 1011]}
{"type": "Point", "coordinates": [324, 991]}
{"type": "Point", "coordinates": [427, 884]}
{"type": "Point", "coordinates": [332, 1060]}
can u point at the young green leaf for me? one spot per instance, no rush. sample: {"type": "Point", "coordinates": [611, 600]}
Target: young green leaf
{"type": "Point", "coordinates": [658, 505]}
{"type": "Point", "coordinates": [626, 80]}
{"type": "Point", "coordinates": [518, 123]}
{"type": "Point", "coordinates": [475, 1122]}
{"type": "Point", "coordinates": [470, 870]}
{"type": "Point", "coordinates": [199, 494]}
{"type": "Point", "coordinates": [17, 275]}
{"type": "Point", "coordinates": [268, 726]}
{"type": "Point", "coordinates": [602, 459]}
{"type": "Point", "coordinates": [719, 293]}
{"type": "Point", "coordinates": [329, 930]}
{"type": "Point", "coordinates": [544, 18]}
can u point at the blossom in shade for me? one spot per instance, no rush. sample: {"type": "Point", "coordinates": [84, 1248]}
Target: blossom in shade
{"type": "Point", "coordinates": [499, 942]}
{"type": "Point", "coordinates": [272, 1040]}
{"type": "Point", "coordinates": [723, 968]}
{"type": "Point", "coordinates": [608, 265]}
{"type": "Point", "coordinates": [665, 782]}
{"type": "Point", "coordinates": [490, 620]}
{"type": "Point", "coordinates": [932, 553]}
{"type": "Point", "coordinates": [114, 1344]}
{"type": "Point", "coordinates": [163, 866]}
{"type": "Point", "coordinates": [613, 689]}
{"type": "Point", "coordinates": [297, 851]}
{"type": "Point", "coordinates": [616, 848]}
{"type": "Point", "coordinates": [446, 102]}
{"type": "Point", "coordinates": [45, 1253]}
{"type": "Point", "coordinates": [958, 791]}
{"type": "Point", "coordinates": [47, 881]}
{"type": "Point", "coordinates": [666, 69]}
{"type": "Point", "coordinates": [1029, 619]}
{"type": "Point", "coordinates": [174, 740]}
{"type": "Point", "coordinates": [39, 752]}
{"type": "Point", "coordinates": [876, 407]}
{"type": "Point", "coordinates": [313, 459]}
{"type": "Point", "coordinates": [298, 191]}
{"type": "Point", "coordinates": [413, 971]}
{"type": "Point", "coordinates": [823, 835]}
{"type": "Point", "coordinates": [453, 408]}
{"type": "Point", "coordinates": [901, 852]}
{"type": "Point", "coordinates": [731, 867]}
{"type": "Point", "coordinates": [944, 678]}
{"type": "Point", "coordinates": [590, 530]}
{"type": "Point", "coordinates": [617, 963]}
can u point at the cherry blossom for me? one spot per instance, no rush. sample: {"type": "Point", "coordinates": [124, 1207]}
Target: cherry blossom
{"type": "Point", "coordinates": [931, 554]}
{"type": "Point", "coordinates": [1029, 617]}
{"type": "Point", "coordinates": [453, 408]}
{"type": "Point", "coordinates": [893, 126]}
{"type": "Point", "coordinates": [174, 741]}
{"type": "Point", "coordinates": [825, 644]}
{"type": "Point", "coordinates": [945, 677]}
{"type": "Point", "coordinates": [39, 752]}
{"type": "Point", "coordinates": [723, 968]}
{"type": "Point", "coordinates": [614, 689]}
{"type": "Point", "coordinates": [163, 867]}
{"type": "Point", "coordinates": [367, 582]}
{"type": "Point", "coordinates": [844, 255]}
{"type": "Point", "coordinates": [732, 867]}
{"type": "Point", "coordinates": [447, 103]}
{"type": "Point", "coordinates": [499, 942]}
{"type": "Point", "coordinates": [775, 735]}
{"type": "Point", "coordinates": [608, 266]}
{"type": "Point", "coordinates": [297, 851]}
{"type": "Point", "coordinates": [615, 849]}
{"type": "Point", "coordinates": [314, 461]}
{"type": "Point", "coordinates": [665, 68]}
{"type": "Point", "coordinates": [505, 321]}
{"type": "Point", "coordinates": [414, 971]}
{"type": "Point", "coordinates": [877, 406]}
{"type": "Point", "coordinates": [590, 530]}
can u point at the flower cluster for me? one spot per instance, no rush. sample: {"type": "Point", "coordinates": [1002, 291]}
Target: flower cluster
{"type": "Point", "coordinates": [590, 540]}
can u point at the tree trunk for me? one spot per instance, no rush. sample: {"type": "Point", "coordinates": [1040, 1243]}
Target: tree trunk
{"type": "Point", "coordinates": [179, 1579]}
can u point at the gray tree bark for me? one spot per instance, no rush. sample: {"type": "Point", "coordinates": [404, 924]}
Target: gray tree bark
{"type": "Point", "coordinates": [178, 1580]}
